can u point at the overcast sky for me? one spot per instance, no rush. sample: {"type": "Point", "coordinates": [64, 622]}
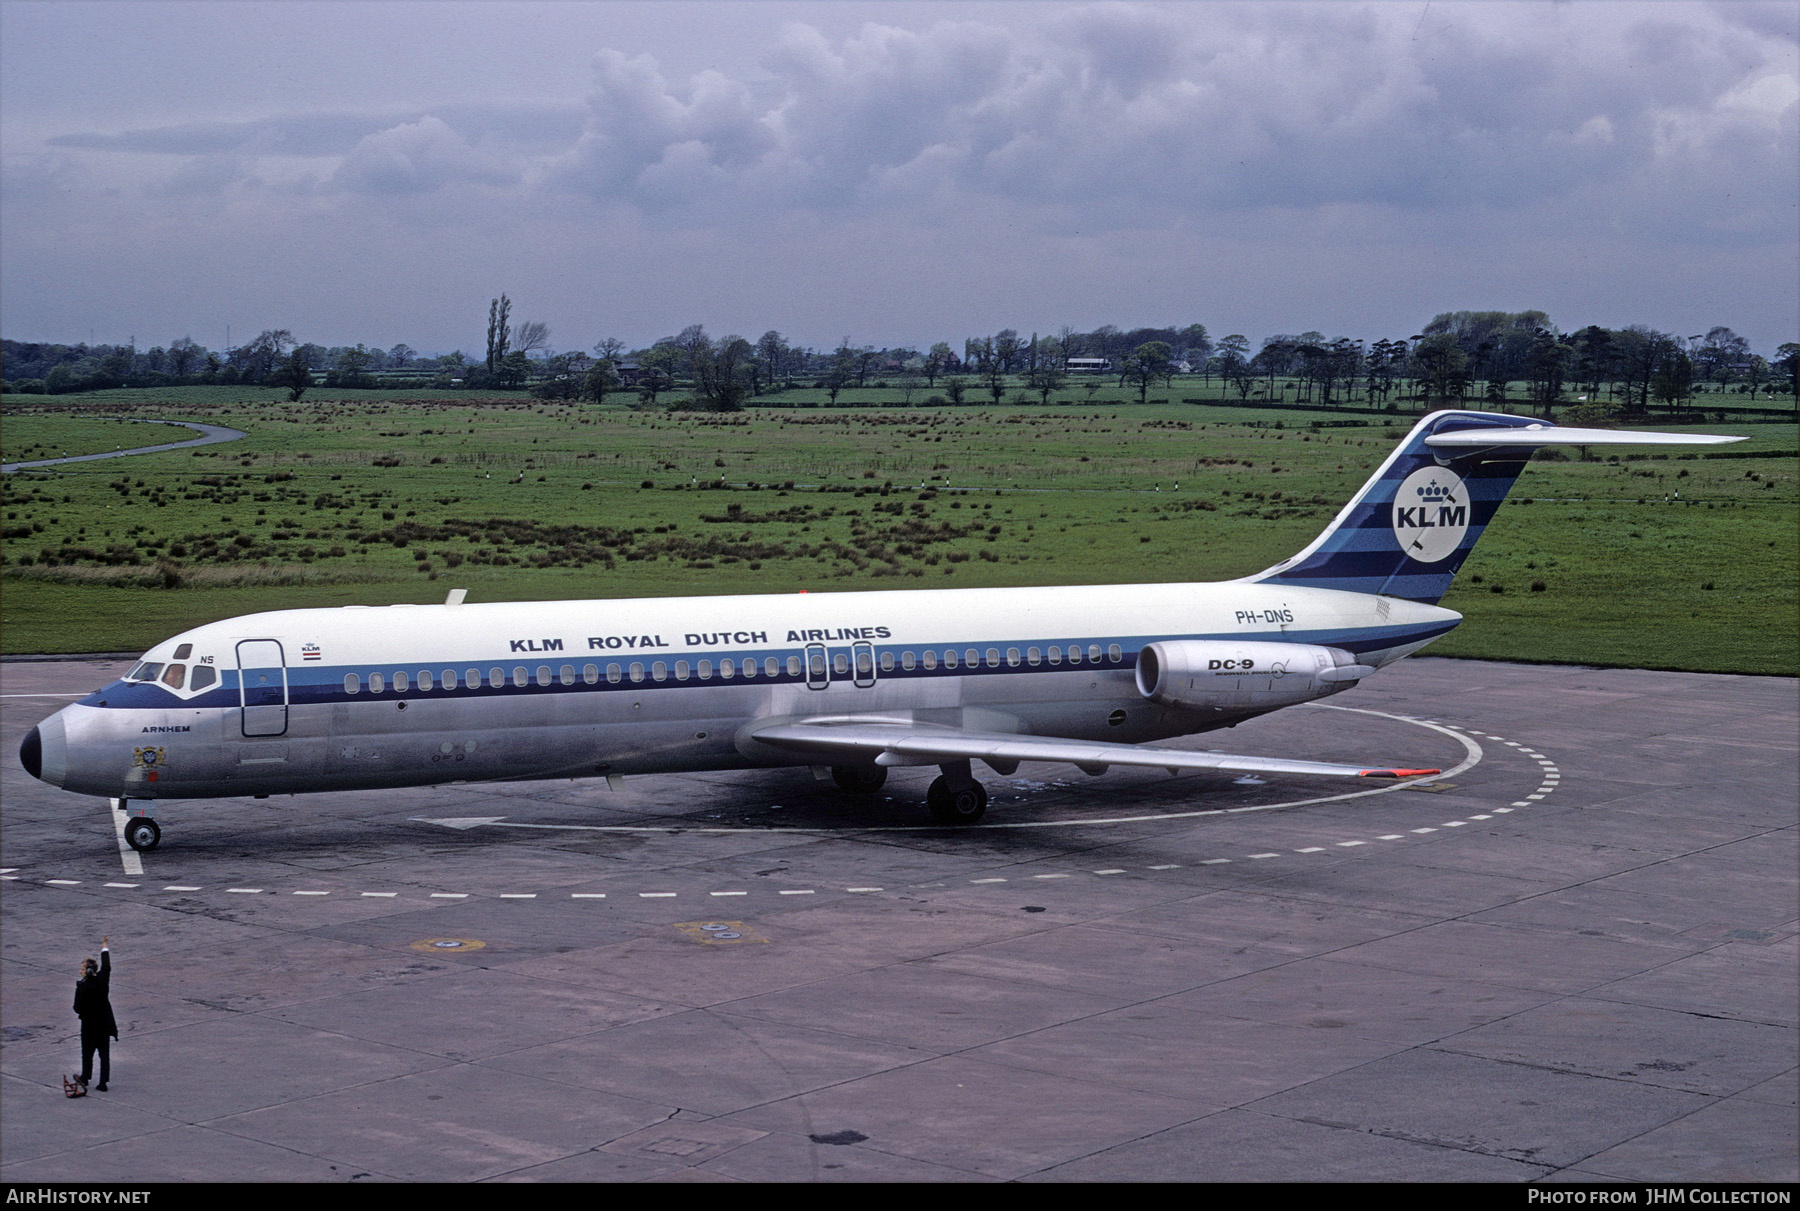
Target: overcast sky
{"type": "Point", "coordinates": [898, 173]}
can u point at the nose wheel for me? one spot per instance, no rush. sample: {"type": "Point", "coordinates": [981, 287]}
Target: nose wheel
{"type": "Point", "coordinates": [142, 834]}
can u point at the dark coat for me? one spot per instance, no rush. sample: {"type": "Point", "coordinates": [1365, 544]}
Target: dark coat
{"type": "Point", "coordinates": [92, 1005]}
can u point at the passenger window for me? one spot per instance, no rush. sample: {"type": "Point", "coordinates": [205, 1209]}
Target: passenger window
{"type": "Point", "coordinates": [681, 670]}
{"type": "Point", "coordinates": [929, 659]}
{"type": "Point", "coordinates": [1114, 654]}
{"type": "Point", "coordinates": [993, 658]}
{"type": "Point", "coordinates": [772, 666]}
{"type": "Point", "coordinates": [376, 685]}
{"type": "Point", "coordinates": [175, 675]}
{"type": "Point", "coordinates": [840, 663]}
{"type": "Point", "coordinates": [520, 677]}
{"type": "Point", "coordinates": [203, 677]}
{"type": "Point", "coordinates": [399, 683]}
{"type": "Point", "coordinates": [567, 674]}
{"type": "Point", "coordinates": [613, 674]}
{"type": "Point", "coordinates": [1032, 657]}
{"type": "Point", "coordinates": [887, 662]}
{"type": "Point", "coordinates": [448, 678]}
{"type": "Point", "coordinates": [817, 663]}
{"type": "Point", "coordinates": [659, 670]}
{"type": "Point", "coordinates": [749, 666]}
{"type": "Point", "coordinates": [496, 678]}
{"type": "Point", "coordinates": [637, 671]}
{"type": "Point", "coordinates": [907, 661]}
{"type": "Point", "coordinates": [949, 658]}
{"type": "Point", "coordinates": [704, 670]}
{"type": "Point", "coordinates": [1012, 657]}
{"type": "Point", "coordinates": [727, 669]}
{"type": "Point", "coordinates": [590, 673]}
{"type": "Point", "coordinates": [543, 674]}
{"type": "Point", "coordinates": [352, 683]}
{"type": "Point", "coordinates": [793, 666]}
{"type": "Point", "coordinates": [424, 679]}
{"type": "Point", "coordinates": [1074, 654]}
{"type": "Point", "coordinates": [1055, 654]}
{"type": "Point", "coordinates": [1094, 653]}
{"type": "Point", "coordinates": [971, 657]}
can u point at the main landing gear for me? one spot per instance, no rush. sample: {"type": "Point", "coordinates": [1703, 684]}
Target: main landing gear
{"type": "Point", "coordinates": [956, 798]}
{"type": "Point", "coordinates": [141, 832]}
{"type": "Point", "coordinates": [859, 779]}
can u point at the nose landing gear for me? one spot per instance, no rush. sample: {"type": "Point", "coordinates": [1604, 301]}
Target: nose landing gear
{"type": "Point", "coordinates": [141, 832]}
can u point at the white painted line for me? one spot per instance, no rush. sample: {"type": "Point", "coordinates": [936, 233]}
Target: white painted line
{"type": "Point", "coordinates": [1454, 823]}
{"type": "Point", "coordinates": [980, 881]}
{"type": "Point", "coordinates": [179, 887]}
{"type": "Point", "coordinates": [1348, 844]}
{"type": "Point", "coordinates": [1167, 866]}
{"type": "Point", "coordinates": [796, 892]}
{"type": "Point", "coordinates": [449, 895]}
{"type": "Point", "coordinates": [656, 895]}
{"type": "Point", "coordinates": [1539, 795]}
{"type": "Point", "coordinates": [381, 895]}
{"type": "Point", "coordinates": [518, 895]}
{"type": "Point", "coordinates": [1109, 872]}
{"type": "Point", "coordinates": [1265, 855]}
{"type": "Point", "coordinates": [9, 878]}
{"type": "Point", "coordinates": [1311, 849]}
{"type": "Point", "coordinates": [1049, 876]}
{"type": "Point", "coordinates": [1501, 811]}
{"type": "Point", "coordinates": [1480, 817]}
{"type": "Point", "coordinates": [312, 893]}
{"type": "Point", "coordinates": [63, 882]}
{"type": "Point", "coordinates": [129, 861]}
{"type": "Point", "coordinates": [243, 891]}
{"type": "Point", "coordinates": [7, 870]}
{"type": "Point", "coordinates": [727, 893]}
{"type": "Point", "coordinates": [1214, 861]}
{"type": "Point", "coordinates": [587, 895]}
{"type": "Point", "coordinates": [1424, 830]}
{"type": "Point", "coordinates": [862, 889]}
{"type": "Point", "coordinates": [1392, 837]}
{"type": "Point", "coordinates": [121, 885]}
{"type": "Point", "coordinates": [1520, 803]}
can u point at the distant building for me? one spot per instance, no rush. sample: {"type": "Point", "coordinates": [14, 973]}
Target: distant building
{"type": "Point", "coordinates": [1088, 365]}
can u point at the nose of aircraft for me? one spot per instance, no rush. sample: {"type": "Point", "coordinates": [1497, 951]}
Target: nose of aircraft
{"type": "Point", "coordinates": [31, 753]}
{"type": "Point", "coordinates": [45, 751]}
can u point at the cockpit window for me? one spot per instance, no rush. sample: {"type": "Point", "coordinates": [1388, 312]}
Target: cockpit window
{"type": "Point", "coordinates": [184, 651]}
{"type": "Point", "coordinates": [145, 672]}
{"type": "Point", "coordinates": [203, 677]}
{"type": "Point", "coordinates": [175, 677]}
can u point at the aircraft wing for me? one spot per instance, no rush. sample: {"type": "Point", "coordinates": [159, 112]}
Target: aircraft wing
{"type": "Point", "coordinates": [890, 744]}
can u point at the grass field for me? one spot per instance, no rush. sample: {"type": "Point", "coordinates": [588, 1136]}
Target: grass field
{"type": "Point", "coordinates": [1670, 561]}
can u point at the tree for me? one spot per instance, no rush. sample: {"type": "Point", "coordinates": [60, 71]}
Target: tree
{"type": "Point", "coordinates": [1545, 365]}
{"type": "Point", "coordinates": [1443, 366]}
{"type": "Point", "coordinates": [602, 377]}
{"type": "Point", "coordinates": [723, 374]}
{"type": "Point", "coordinates": [513, 369]}
{"type": "Point", "coordinates": [352, 368]}
{"type": "Point", "coordinates": [499, 334]}
{"type": "Point", "coordinates": [401, 354]}
{"type": "Point", "coordinates": [532, 336]}
{"type": "Point", "coordinates": [937, 361]}
{"type": "Point", "coordinates": [1044, 379]}
{"type": "Point", "coordinates": [295, 374]}
{"type": "Point", "coordinates": [772, 347]}
{"type": "Point", "coordinates": [1145, 364]}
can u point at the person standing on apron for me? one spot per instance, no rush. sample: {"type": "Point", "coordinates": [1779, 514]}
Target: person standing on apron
{"type": "Point", "coordinates": [94, 1007]}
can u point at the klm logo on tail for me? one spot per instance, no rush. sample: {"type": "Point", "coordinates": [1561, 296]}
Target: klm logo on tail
{"type": "Point", "coordinates": [1431, 514]}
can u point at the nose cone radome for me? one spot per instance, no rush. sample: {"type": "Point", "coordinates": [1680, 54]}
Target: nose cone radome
{"type": "Point", "coordinates": [31, 754]}
{"type": "Point", "coordinates": [45, 751]}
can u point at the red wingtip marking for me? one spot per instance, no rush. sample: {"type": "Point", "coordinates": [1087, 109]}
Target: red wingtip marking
{"type": "Point", "coordinates": [1397, 773]}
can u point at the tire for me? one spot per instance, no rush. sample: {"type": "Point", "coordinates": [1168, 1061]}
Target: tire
{"type": "Point", "coordinates": [859, 779]}
{"type": "Point", "coordinates": [956, 808]}
{"type": "Point", "coordinates": [142, 834]}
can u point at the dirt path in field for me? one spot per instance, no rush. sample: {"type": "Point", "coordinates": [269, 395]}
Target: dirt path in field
{"type": "Point", "coordinates": [210, 434]}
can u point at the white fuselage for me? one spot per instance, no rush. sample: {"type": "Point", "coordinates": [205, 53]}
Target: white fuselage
{"type": "Point", "coordinates": [363, 697]}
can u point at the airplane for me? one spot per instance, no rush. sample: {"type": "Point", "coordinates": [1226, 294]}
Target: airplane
{"type": "Point", "coordinates": [370, 697]}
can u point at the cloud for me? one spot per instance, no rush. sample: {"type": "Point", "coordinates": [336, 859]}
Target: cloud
{"type": "Point", "coordinates": [415, 157]}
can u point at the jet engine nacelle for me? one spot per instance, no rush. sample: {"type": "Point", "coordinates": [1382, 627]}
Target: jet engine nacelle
{"type": "Point", "coordinates": [1219, 675]}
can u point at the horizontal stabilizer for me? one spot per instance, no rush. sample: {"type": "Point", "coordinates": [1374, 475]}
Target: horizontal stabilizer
{"type": "Point", "coordinates": [1563, 435]}
{"type": "Point", "coordinates": [891, 744]}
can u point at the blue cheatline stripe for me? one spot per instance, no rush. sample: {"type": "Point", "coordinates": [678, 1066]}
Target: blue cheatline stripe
{"type": "Point", "coordinates": [315, 686]}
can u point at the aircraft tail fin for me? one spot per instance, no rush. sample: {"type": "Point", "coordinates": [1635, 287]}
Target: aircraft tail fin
{"type": "Point", "coordinates": [1409, 529]}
